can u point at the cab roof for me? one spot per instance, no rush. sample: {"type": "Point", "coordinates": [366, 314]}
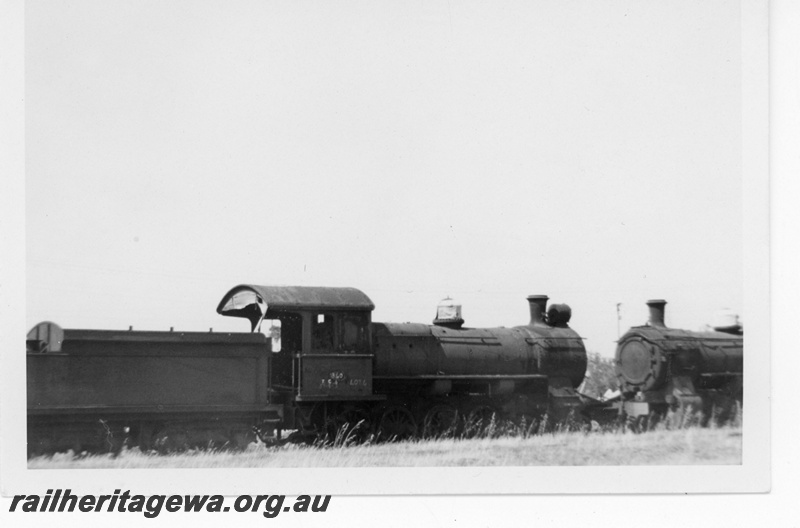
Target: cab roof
{"type": "Point", "coordinates": [240, 301]}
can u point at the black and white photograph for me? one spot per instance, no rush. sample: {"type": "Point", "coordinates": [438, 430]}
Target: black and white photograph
{"type": "Point", "coordinates": [390, 248]}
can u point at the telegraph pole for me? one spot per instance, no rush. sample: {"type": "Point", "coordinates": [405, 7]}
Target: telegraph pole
{"type": "Point", "coordinates": [618, 318]}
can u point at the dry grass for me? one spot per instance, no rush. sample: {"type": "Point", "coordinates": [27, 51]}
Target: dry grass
{"type": "Point", "coordinates": [693, 445]}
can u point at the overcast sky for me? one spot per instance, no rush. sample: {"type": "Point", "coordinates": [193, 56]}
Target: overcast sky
{"type": "Point", "coordinates": [586, 150]}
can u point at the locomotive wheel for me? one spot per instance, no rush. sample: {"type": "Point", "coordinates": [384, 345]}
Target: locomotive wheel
{"type": "Point", "coordinates": [342, 423]}
{"type": "Point", "coordinates": [350, 424]}
{"type": "Point", "coordinates": [171, 440]}
{"type": "Point", "coordinates": [636, 423]}
{"type": "Point", "coordinates": [241, 437]}
{"type": "Point", "coordinates": [211, 438]}
{"type": "Point", "coordinates": [479, 421]}
{"type": "Point", "coordinates": [642, 423]}
{"type": "Point", "coordinates": [144, 436]}
{"type": "Point", "coordinates": [397, 423]}
{"type": "Point", "coordinates": [440, 420]}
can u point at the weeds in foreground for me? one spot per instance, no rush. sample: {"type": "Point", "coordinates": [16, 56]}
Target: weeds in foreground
{"type": "Point", "coordinates": [687, 418]}
{"type": "Point", "coordinates": [494, 427]}
{"type": "Point", "coordinates": [545, 429]}
{"type": "Point", "coordinates": [690, 445]}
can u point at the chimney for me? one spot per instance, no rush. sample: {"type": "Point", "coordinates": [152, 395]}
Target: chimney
{"type": "Point", "coordinates": [656, 312]}
{"type": "Point", "coordinates": [538, 304]}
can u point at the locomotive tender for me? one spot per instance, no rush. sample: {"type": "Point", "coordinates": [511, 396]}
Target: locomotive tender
{"type": "Point", "coordinates": [333, 368]}
{"type": "Point", "coordinates": [662, 369]}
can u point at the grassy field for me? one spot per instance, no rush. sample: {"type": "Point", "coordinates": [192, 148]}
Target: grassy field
{"type": "Point", "coordinates": [693, 445]}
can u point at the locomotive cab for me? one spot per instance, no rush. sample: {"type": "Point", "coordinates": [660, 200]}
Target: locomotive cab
{"type": "Point", "coordinates": [324, 340]}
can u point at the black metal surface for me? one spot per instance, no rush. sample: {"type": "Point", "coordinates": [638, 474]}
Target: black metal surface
{"type": "Point", "coordinates": [303, 298]}
{"type": "Point", "coordinates": [413, 350]}
{"type": "Point", "coordinates": [133, 370]}
{"type": "Point", "coordinates": [646, 355]}
{"type": "Point", "coordinates": [333, 361]}
{"type": "Point", "coordinates": [669, 368]}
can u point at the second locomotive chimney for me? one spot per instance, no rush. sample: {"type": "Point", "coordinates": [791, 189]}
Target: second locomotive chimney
{"type": "Point", "coordinates": [538, 304]}
{"type": "Point", "coordinates": [656, 312]}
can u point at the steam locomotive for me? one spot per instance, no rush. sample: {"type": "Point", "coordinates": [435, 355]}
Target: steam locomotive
{"type": "Point", "coordinates": [664, 369]}
{"type": "Point", "coordinates": [332, 369]}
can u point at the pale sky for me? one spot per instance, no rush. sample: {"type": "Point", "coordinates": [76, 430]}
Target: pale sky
{"type": "Point", "coordinates": [586, 150]}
